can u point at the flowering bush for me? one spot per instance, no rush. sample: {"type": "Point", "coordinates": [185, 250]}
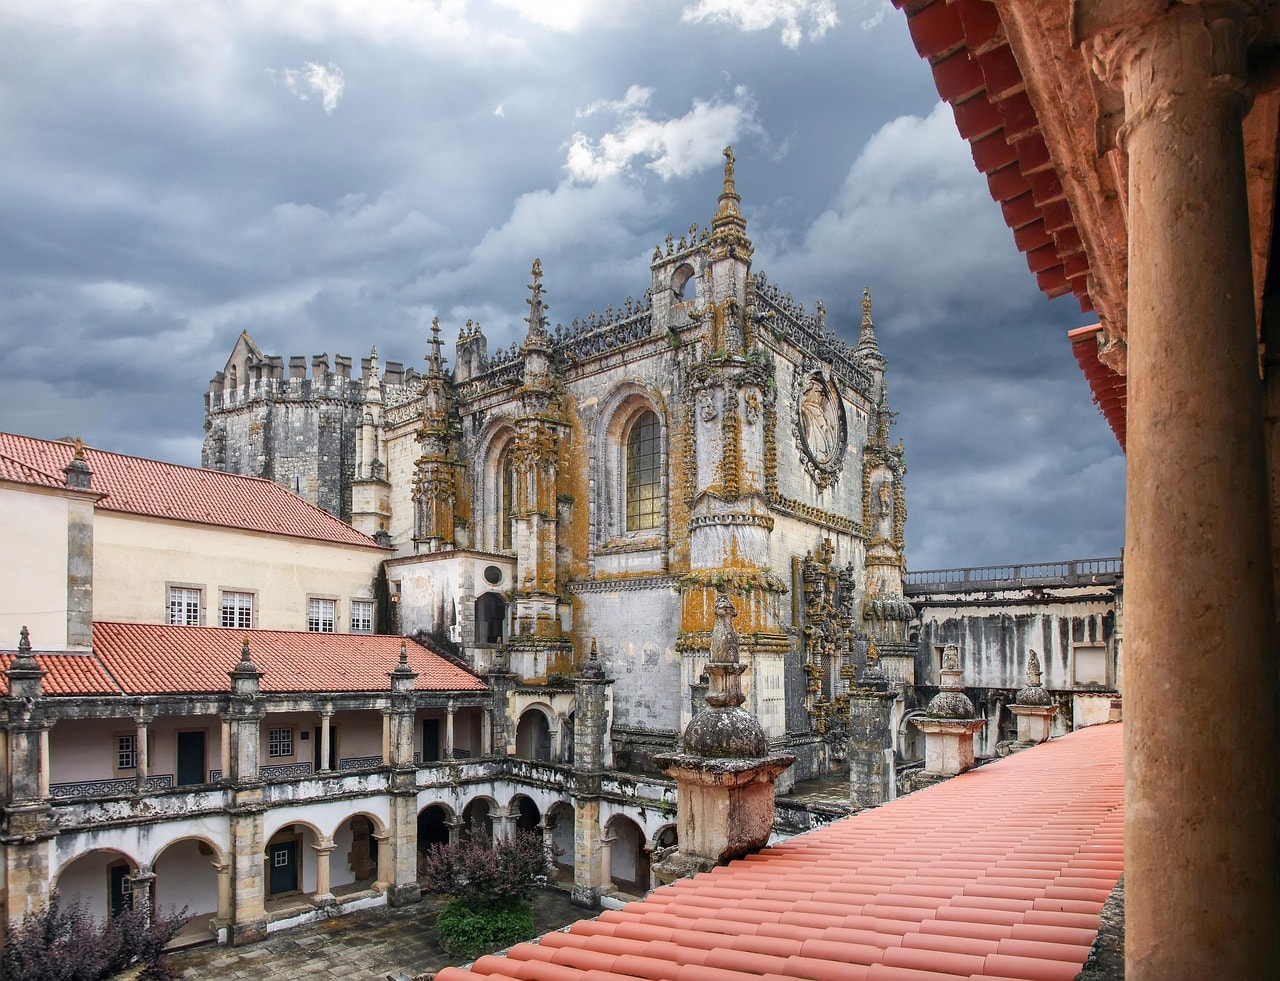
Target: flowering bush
{"type": "Point", "coordinates": [65, 943]}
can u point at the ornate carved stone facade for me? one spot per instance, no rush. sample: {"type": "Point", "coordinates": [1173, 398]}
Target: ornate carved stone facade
{"type": "Point", "coordinates": [605, 481]}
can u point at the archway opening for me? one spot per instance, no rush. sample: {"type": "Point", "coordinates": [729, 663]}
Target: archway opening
{"type": "Point", "coordinates": [491, 619]}
{"type": "Point", "coordinates": [628, 861]}
{"type": "Point", "coordinates": [102, 881]}
{"type": "Point", "coordinates": [185, 876]}
{"type": "Point", "coordinates": [533, 736]}
{"type": "Point", "coordinates": [477, 820]}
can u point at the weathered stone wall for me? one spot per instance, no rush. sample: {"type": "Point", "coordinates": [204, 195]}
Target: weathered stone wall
{"type": "Point", "coordinates": [1068, 626]}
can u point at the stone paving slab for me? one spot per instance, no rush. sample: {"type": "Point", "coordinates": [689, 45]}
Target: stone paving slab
{"type": "Point", "coordinates": [364, 946]}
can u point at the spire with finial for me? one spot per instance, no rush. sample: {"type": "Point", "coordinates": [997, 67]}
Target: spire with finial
{"type": "Point", "coordinates": [593, 668]}
{"type": "Point", "coordinates": [245, 676]}
{"type": "Point", "coordinates": [537, 318]}
{"type": "Point", "coordinates": [728, 227]}
{"type": "Point", "coordinates": [433, 359]}
{"type": "Point", "coordinates": [868, 348]}
{"type": "Point", "coordinates": [24, 674]}
{"type": "Point", "coordinates": [373, 383]}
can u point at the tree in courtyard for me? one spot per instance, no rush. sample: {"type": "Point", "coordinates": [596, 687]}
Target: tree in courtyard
{"type": "Point", "coordinates": [492, 887]}
{"type": "Point", "coordinates": [65, 943]}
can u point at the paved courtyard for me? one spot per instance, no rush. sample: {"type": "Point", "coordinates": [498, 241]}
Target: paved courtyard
{"type": "Point", "coordinates": [365, 946]}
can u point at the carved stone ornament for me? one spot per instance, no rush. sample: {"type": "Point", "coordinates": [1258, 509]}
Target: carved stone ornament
{"type": "Point", "coordinates": [820, 427]}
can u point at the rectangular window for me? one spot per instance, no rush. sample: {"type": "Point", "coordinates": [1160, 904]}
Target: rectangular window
{"type": "Point", "coordinates": [237, 610]}
{"type": "Point", "coordinates": [362, 616]}
{"type": "Point", "coordinates": [321, 614]}
{"type": "Point", "coordinates": [280, 742]}
{"type": "Point", "coordinates": [126, 752]}
{"type": "Point", "coordinates": [184, 606]}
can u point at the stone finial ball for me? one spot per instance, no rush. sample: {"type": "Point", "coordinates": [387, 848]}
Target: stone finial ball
{"type": "Point", "coordinates": [732, 733]}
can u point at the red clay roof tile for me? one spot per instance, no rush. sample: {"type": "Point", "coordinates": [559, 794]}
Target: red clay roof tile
{"type": "Point", "coordinates": [154, 659]}
{"type": "Point", "coordinates": [1020, 826]}
{"type": "Point", "coordinates": [135, 485]}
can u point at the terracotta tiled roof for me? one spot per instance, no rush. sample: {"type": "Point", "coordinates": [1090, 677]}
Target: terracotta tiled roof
{"type": "Point", "coordinates": [999, 873]}
{"type": "Point", "coordinates": [976, 73]}
{"type": "Point", "coordinates": [22, 473]}
{"type": "Point", "coordinates": [152, 659]}
{"type": "Point", "coordinates": [134, 485]}
{"type": "Point", "coordinates": [1110, 390]}
{"type": "Point", "coordinates": [69, 674]}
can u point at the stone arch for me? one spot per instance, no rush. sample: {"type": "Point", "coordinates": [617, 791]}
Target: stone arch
{"type": "Point", "coordinates": [525, 813]}
{"type": "Point", "coordinates": [290, 860]}
{"type": "Point", "coordinates": [680, 280]}
{"type": "Point", "coordinates": [628, 860]}
{"type": "Point", "coordinates": [561, 819]}
{"type": "Point", "coordinates": [101, 877]}
{"type": "Point", "coordinates": [358, 843]}
{"type": "Point", "coordinates": [478, 818]}
{"type": "Point", "coordinates": [435, 823]}
{"type": "Point", "coordinates": [533, 733]}
{"type": "Point", "coordinates": [666, 836]}
{"type": "Point", "coordinates": [186, 873]}
{"type": "Point", "coordinates": [910, 740]}
{"type": "Point", "coordinates": [492, 448]}
{"type": "Point", "coordinates": [625, 406]}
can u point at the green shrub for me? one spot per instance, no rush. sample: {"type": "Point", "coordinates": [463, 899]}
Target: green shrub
{"type": "Point", "coordinates": [468, 931]}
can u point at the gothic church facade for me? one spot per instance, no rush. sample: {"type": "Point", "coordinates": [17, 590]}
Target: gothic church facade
{"type": "Point", "coordinates": [596, 487]}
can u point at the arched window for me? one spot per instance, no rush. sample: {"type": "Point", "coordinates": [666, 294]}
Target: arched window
{"type": "Point", "coordinates": [491, 618]}
{"type": "Point", "coordinates": [507, 511]}
{"type": "Point", "coordinates": [644, 473]}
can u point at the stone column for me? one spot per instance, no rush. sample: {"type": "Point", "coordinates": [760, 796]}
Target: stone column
{"type": "Point", "coordinates": [588, 852]}
{"type": "Point", "coordinates": [248, 915]}
{"type": "Point", "coordinates": [455, 830]}
{"type": "Point", "coordinates": [869, 736]}
{"type": "Point", "coordinates": [1200, 801]}
{"type": "Point", "coordinates": [141, 889]}
{"type": "Point", "coordinates": [223, 917]}
{"type": "Point", "coordinates": [143, 769]}
{"type": "Point", "coordinates": [323, 849]}
{"type": "Point", "coordinates": [549, 847]}
{"type": "Point", "coordinates": [225, 754]}
{"type": "Point", "coordinates": [43, 787]}
{"type": "Point", "coordinates": [606, 862]}
{"type": "Point", "coordinates": [448, 730]}
{"type": "Point", "coordinates": [23, 790]}
{"type": "Point", "coordinates": [326, 737]}
{"type": "Point", "coordinates": [398, 848]}
{"type": "Point", "coordinates": [486, 733]}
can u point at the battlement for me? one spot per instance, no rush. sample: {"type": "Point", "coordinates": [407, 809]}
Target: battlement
{"type": "Point", "coordinates": [268, 377]}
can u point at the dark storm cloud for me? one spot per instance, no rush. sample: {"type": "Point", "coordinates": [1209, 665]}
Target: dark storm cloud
{"type": "Point", "coordinates": [329, 176]}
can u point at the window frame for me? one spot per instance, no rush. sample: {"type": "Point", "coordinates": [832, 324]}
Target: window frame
{"type": "Point", "coordinates": [320, 620]}
{"type": "Point", "coordinates": [172, 589]}
{"type": "Point", "coordinates": [361, 604]}
{"type": "Point", "coordinates": [252, 598]}
{"type": "Point", "coordinates": [280, 742]}
{"type": "Point", "coordinates": [642, 501]}
{"type": "Point", "coordinates": [118, 752]}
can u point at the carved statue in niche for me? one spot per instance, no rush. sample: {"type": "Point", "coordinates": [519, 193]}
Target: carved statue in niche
{"type": "Point", "coordinates": [707, 405]}
{"type": "Point", "coordinates": [884, 509]}
{"type": "Point", "coordinates": [829, 636]}
{"type": "Point", "coordinates": [752, 403]}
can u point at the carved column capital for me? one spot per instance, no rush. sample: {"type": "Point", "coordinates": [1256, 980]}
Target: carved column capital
{"type": "Point", "coordinates": [1153, 51]}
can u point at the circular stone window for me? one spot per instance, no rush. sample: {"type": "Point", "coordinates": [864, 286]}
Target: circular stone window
{"type": "Point", "coordinates": [493, 575]}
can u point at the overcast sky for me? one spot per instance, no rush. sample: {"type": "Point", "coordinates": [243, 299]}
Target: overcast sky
{"type": "Point", "coordinates": [329, 175]}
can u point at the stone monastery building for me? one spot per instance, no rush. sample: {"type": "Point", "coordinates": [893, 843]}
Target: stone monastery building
{"type": "Point", "coordinates": [597, 485]}
{"type": "Point", "coordinates": [474, 600]}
